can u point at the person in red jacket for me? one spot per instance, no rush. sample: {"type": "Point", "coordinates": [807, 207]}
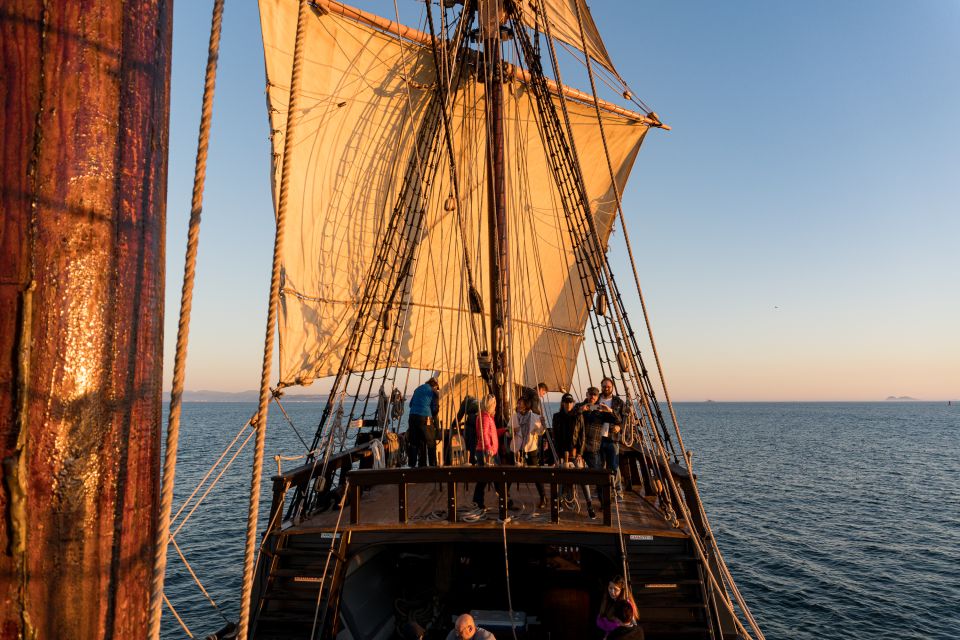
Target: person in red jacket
{"type": "Point", "coordinates": [488, 443]}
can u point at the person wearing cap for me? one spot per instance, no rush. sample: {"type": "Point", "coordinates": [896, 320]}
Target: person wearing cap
{"type": "Point", "coordinates": [568, 439]}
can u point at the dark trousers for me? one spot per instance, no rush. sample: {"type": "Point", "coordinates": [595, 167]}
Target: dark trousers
{"type": "Point", "coordinates": [568, 489]}
{"type": "Point", "coordinates": [484, 460]}
{"type": "Point", "coordinates": [610, 456]}
{"type": "Point", "coordinates": [532, 459]}
{"type": "Point", "coordinates": [422, 444]}
{"type": "Point", "coordinates": [593, 460]}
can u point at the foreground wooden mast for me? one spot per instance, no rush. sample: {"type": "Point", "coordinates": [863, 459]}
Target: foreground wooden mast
{"type": "Point", "coordinates": [83, 133]}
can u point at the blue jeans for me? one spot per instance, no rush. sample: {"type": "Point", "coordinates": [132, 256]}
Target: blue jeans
{"type": "Point", "coordinates": [593, 460]}
{"type": "Point", "coordinates": [610, 455]}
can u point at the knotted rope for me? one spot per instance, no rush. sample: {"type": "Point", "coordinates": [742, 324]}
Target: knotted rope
{"type": "Point", "coordinates": [262, 412]}
{"type": "Point", "coordinates": [183, 329]}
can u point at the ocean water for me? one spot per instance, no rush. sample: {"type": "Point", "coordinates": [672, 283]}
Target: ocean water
{"type": "Point", "coordinates": [838, 520]}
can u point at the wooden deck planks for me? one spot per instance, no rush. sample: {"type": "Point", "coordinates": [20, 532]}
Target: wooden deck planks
{"type": "Point", "coordinates": [427, 507]}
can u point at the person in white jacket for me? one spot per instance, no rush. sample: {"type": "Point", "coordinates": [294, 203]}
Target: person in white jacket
{"type": "Point", "coordinates": [526, 429]}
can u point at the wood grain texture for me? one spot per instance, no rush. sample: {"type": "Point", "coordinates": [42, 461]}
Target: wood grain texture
{"type": "Point", "coordinates": [83, 137]}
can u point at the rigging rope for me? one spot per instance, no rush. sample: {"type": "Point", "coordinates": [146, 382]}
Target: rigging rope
{"type": "Point", "coordinates": [330, 553]}
{"type": "Point", "coordinates": [176, 615]}
{"type": "Point", "coordinates": [708, 533]}
{"type": "Point", "coordinates": [262, 412]}
{"type": "Point", "coordinates": [183, 329]}
{"type": "Point", "coordinates": [196, 579]}
{"type": "Point", "coordinates": [506, 567]}
{"type": "Point", "coordinates": [210, 471]}
{"type": "Point", "coordinates": [276, 398]}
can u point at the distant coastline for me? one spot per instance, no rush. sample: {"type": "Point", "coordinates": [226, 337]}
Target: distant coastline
{"type": "Point", "coordinates": [244, 396]}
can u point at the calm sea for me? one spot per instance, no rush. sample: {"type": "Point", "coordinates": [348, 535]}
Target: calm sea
{"type": "Point", "coordinates": [838, 520]}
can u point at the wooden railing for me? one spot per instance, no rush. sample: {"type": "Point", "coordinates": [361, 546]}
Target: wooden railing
{"type": "Point", "coordinates": [301, 477]}
{"type": "Point", "coordinates": [500, 476]}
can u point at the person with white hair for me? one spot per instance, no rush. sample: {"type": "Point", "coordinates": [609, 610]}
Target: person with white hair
{"type": "Point", "coordinates": [466, 629]}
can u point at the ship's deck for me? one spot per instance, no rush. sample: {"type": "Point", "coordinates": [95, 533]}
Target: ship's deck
{"type": "Point", "coordinates": [427, 509]}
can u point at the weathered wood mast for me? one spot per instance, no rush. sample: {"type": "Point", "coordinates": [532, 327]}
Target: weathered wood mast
{"type": "Point", "coordinates": [83, 133]}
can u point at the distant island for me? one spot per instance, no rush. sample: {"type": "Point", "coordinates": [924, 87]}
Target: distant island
{"type": "Point", "coordinates": [902, 398]}
{"type": "Point", "coordinates": [242, 396]}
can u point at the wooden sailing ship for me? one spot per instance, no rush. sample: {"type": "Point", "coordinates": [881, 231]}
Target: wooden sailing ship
{"type": "Point", "coordinates": [450, 201]}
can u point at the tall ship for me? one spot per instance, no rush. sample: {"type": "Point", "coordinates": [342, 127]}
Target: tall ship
{"type": "Point", "coordinates": [444, 203]}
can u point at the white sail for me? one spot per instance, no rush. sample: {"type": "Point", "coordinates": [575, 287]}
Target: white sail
{"type": "Point", "coordinates": [353, 143]}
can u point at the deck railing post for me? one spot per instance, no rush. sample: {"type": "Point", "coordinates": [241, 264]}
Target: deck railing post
{"type": "Point", "coordinates": [502, 499]}
{"type": "Point", "coordinates": [355, 492]}
{"type": "Point", "coordinates": [605, 496]}
{"type": "Point", "coordinates": [402, 501]}
{"type": "Point", "coordinates": [452, 500]}
{"type": "Point", "coordinates": [554, 502]}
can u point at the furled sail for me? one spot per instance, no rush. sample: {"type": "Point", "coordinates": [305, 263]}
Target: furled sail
{"type": "Point", "coordinates": [364, 98]}
{"type": "Point", "coordinates": [564, 25]}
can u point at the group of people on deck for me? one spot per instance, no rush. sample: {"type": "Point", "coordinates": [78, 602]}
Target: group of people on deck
{"type": "Point", "coordinates": [587, 433]}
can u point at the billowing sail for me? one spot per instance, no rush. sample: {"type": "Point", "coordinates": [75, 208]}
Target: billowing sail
{"type": "Point", "coordinates": [364, 98]}
{"type": "Point", "coordinates": [564, 25]}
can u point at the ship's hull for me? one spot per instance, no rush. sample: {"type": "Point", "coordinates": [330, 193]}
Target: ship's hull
{"type": "Point", "coordinates": [372, 576]}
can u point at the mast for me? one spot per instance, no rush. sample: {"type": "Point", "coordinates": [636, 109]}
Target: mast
{"type": "Point", "coordinates": [492, 16]}
{"type": "Point", "coordinates": [83, 137]}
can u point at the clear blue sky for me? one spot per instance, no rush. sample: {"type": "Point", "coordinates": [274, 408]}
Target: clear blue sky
{"type": "Point", "coordinates": [800, 225]}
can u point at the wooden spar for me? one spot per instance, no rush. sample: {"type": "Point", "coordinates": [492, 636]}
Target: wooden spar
{"type": "Point", "coordinates": [83, 137]}
{"type": "Point", "coordinates": [499, 248]}
{"type": "Point", "coordinates": [509, 70]}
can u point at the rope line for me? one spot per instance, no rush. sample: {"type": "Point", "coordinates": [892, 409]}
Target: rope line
{"type": "Point", "coordinates": [193, 574]}
{"type": "Point", "coordinates": [209, 472]}
{"type": "Point", "coordinates": [262, 412]}
{"type": "Point", "coordinates": [176, 615]}
{"type": "Point", "coordinates": [183, 329]}
{"type": "Point", "coordinates": [330, 554]}
{"type": "Point", "coordinates": [506, 568]}
{"type": "Point", "coordinates": [619, 204]}
{"type": "Point", "coordinates": [212, 484]}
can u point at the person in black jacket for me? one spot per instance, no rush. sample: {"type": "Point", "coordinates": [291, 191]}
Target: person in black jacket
{"type": "Point", "coordinates": [568, 440]}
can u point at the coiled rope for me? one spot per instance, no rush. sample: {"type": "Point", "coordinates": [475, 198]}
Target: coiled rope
{"type": "Point", "coordinates": [183, 328]}
{"type": "Point", "coordinates": [262, 412]}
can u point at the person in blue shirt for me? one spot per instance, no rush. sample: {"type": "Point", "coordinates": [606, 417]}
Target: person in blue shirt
{"type": "Point", "coordinates": [422, 429]}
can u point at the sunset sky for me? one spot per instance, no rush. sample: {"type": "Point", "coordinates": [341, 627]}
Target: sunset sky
{"type": "Point", "coordinates": [800, 225]}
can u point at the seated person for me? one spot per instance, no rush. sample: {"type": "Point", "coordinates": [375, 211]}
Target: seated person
{"type": "Point", "coordinates": [466, 629]}
{"type": "Point", "coordinates": [625, 614]}
{"type": "Point", "coordinates": [616, 592]}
